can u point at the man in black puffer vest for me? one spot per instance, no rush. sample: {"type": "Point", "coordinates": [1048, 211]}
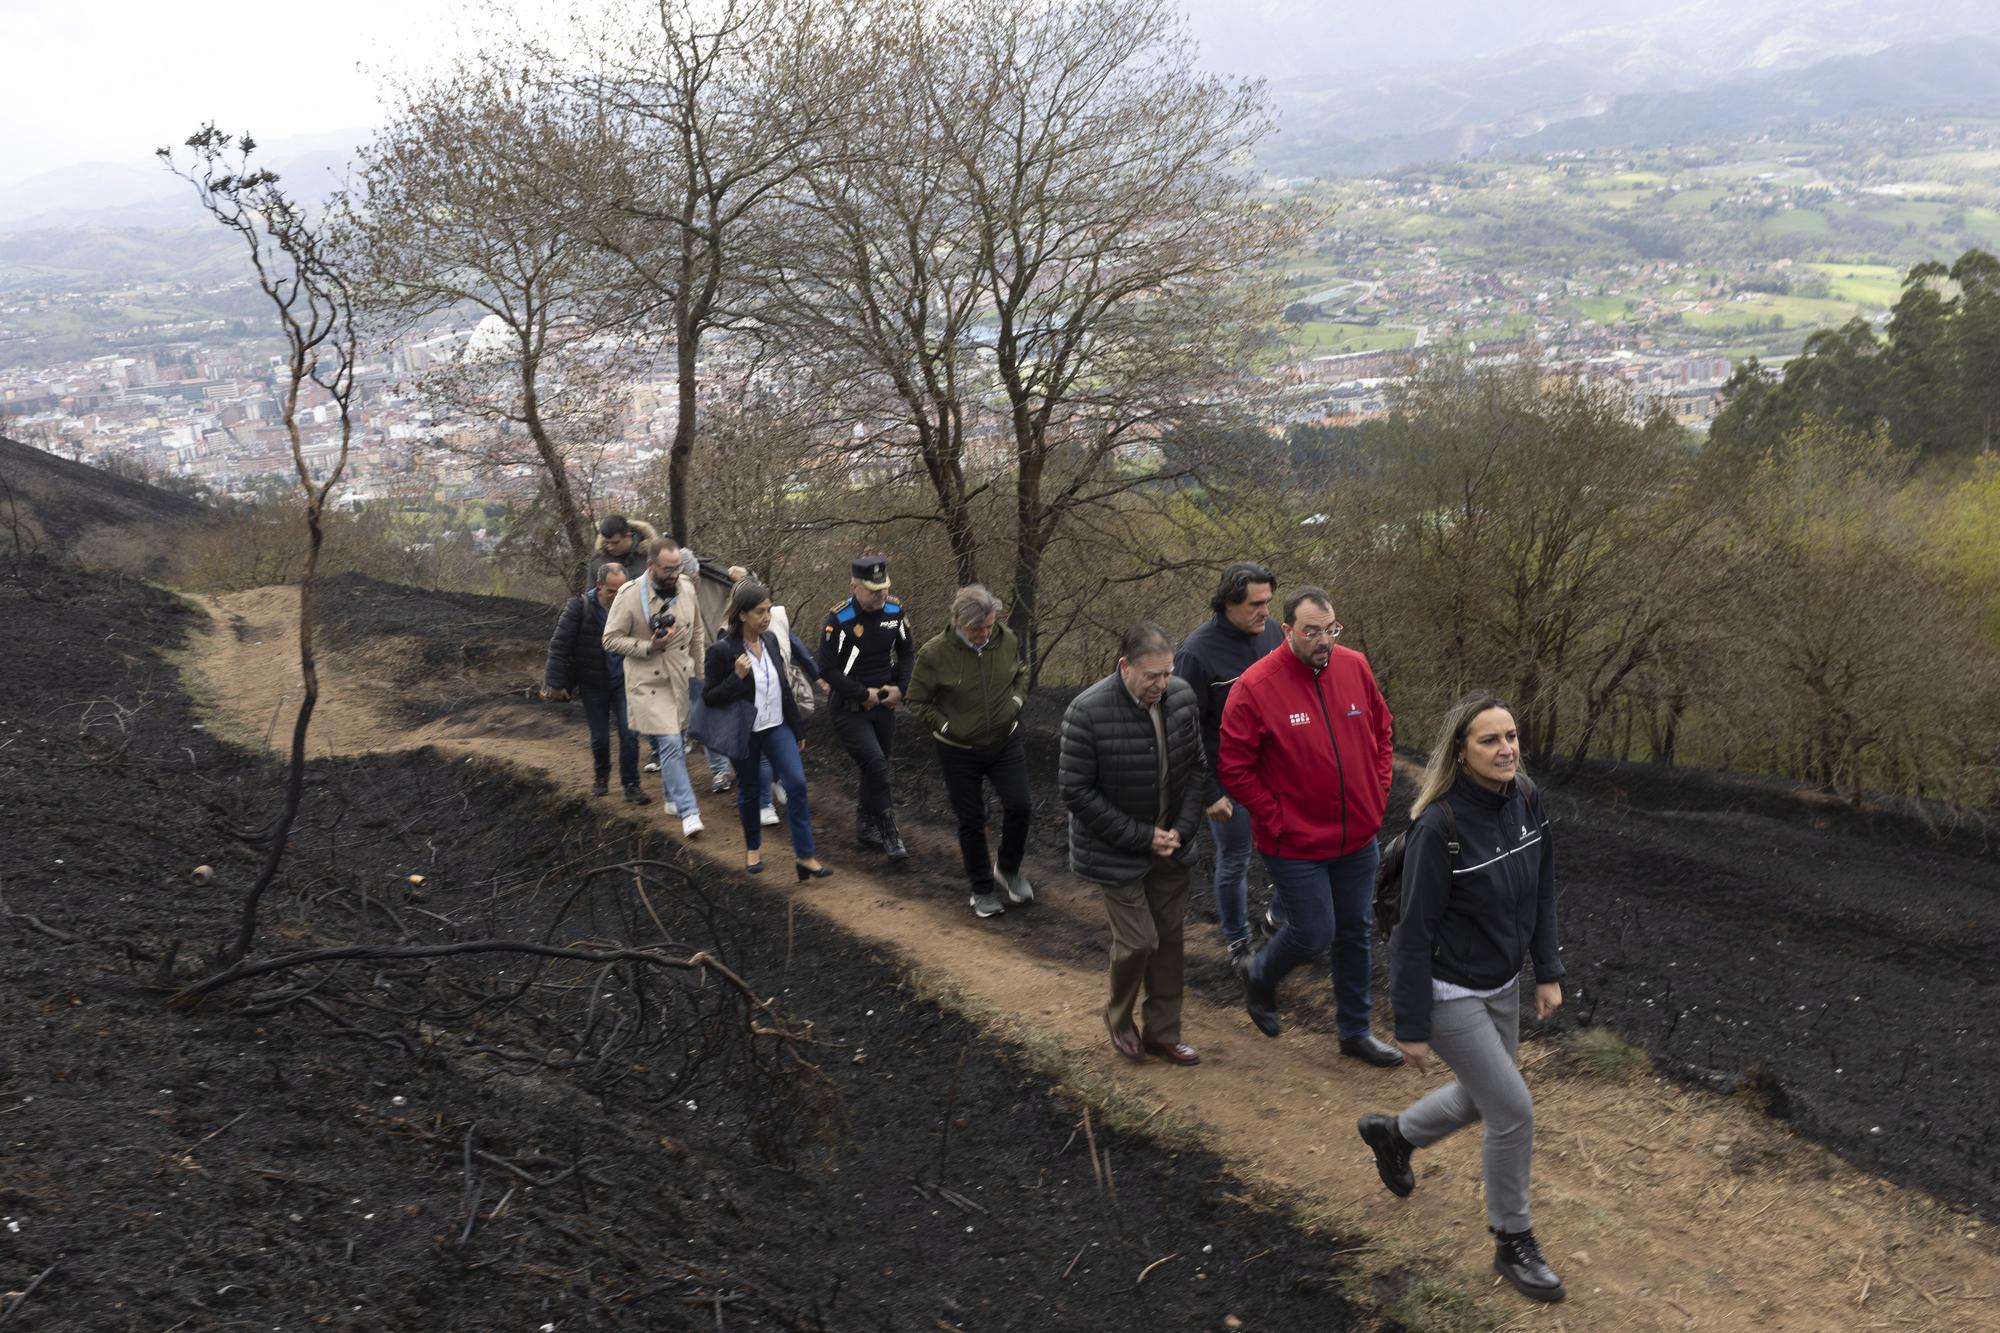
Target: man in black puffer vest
{"type": "Point", "coordinates": [1134, 781]}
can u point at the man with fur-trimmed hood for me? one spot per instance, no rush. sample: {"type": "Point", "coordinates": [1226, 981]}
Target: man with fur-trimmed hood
{"type": "Point", "coordinates": [621, 541]}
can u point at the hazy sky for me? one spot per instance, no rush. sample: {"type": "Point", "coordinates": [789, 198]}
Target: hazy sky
{"type": "Point", "coordinates": [114, 80]}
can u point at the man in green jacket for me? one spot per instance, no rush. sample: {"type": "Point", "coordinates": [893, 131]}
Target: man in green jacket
{"type": "Point", "coordinates": [968, 688]}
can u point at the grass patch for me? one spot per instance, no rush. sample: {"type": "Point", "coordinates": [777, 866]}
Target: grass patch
{"type": "Point", "coordinates": [1432, 1305]}
{"type": "Point", "coordinates": [1602, 1053]}
{"type": "Point", "coordinates": [1325, 336]}
{"type": "Point", "coordinates": [1797, 222]}
{"type": "Point", "coordinates": [1862, 284]}
{"type": "Point", "coordinates": [1604, 309]}
{"type": "Point", "coordinates": [1695, 201]}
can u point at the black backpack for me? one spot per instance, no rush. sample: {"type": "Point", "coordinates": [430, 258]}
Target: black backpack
{"type": "Point", "coordinates": [1389, 870]}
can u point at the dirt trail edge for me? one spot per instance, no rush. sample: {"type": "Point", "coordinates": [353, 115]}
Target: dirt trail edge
{"type": "Point", "coordinates": [1663, 1209]}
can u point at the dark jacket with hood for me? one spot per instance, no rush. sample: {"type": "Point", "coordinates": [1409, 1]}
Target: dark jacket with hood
{"type": "Point", "coordinates": [576, 649]}
{"type": "Point", "coordinates": [1109, 776]}
{"type": "Point", "coordinates": [1473, 921]}
{"type": "Point", "coordinates": [634, 558]}
{"type": "Point", "coordinates": [1210, 659]}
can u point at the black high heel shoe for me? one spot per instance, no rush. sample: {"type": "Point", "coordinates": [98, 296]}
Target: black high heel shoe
{"type": "Point", "coordinates": [756, 868]}
{"type": "Point", "coordinates": [806, 872]}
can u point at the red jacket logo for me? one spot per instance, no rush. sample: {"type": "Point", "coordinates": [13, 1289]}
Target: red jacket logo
{"type": "Point", "coordinates": [1301, 719]}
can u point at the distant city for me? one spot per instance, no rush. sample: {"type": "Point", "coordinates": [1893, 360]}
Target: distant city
{"type": "Point", "coordinates": [1663, 269]}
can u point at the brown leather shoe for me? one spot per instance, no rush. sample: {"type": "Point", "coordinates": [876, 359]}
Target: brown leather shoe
{"type": "Point", "coordinates": [1173, 1052]}
{"type": "Point", "coordinates": [1124, 1040]}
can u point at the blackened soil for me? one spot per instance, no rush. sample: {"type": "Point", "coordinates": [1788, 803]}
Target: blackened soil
{"type": "Point", "coordinates": [442, 641]}
{"type": "Point", "coordinates": [72, 502]}
{"type": "Point", "coordinates": [259, 1162]}
{"type": "Point", "coordinates": [1845, 965]}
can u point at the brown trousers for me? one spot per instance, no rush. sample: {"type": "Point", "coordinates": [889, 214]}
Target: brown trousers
{"type": "Point", "coordinates": [1146, 915]}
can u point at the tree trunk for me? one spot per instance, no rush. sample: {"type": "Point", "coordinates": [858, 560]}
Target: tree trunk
{"type": "Point", "coordinates": [680, 456]}
{"type": "Point", "coordinates": [1030, 540]}
{"type": "Point", "coordinates": [552, 463]}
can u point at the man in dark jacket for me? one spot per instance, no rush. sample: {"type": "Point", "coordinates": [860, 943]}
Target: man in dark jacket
{"type": "Point", "coordinates": [1133, 780]}
{"type": "Point", "coordinates": [866, 654]}
{"type": "Point", "coordinates": [1306, 745]}
{"type": "Point", "coordinates": [969, 686]}
{"type": "Point", "coordinates": [579, 664]}
{"type": "Point", "coordinates": [1211, 659]}
{"type": "Point", "coordinates": [621, 541]}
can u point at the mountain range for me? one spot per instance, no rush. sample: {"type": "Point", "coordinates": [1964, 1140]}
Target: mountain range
{"type": "Point", "coordinates": [1364, 88]}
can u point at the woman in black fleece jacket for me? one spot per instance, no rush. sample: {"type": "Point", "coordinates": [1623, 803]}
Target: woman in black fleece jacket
{"type": "Point", "coordinates": [1478, 900]}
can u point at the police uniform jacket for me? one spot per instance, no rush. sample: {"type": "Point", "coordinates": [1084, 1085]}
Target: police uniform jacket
{"type": "Point", "coordinates": [860, 650]}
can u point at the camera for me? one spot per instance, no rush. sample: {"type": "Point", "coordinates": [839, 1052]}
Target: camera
{"type": "Point", "coordinates": [661, 622]}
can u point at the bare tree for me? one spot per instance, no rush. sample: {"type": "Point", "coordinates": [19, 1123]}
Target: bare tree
{"type": "Point", "coordinates": [717, 105]}
{"type": "Point", "coordinates": [295, 260]}
{"type": "Point", "coordinates": [1119, 235]}
{"type": "Point", "coordinates": [475, 199]}
{"type": "Point", "coordinates": [881, 286]}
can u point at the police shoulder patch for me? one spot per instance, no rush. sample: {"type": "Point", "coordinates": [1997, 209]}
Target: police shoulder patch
{"type": "Point", "coordinates": [891, 609]}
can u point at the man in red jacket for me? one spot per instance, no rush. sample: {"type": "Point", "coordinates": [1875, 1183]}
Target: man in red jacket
{"type": "Point", "coordinates": [1305, 748]}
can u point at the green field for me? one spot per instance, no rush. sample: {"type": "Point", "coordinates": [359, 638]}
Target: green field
{"type": "Point", "coordinates": [1796, 222]}
{"type": "Point", "coordinates": [1863, 284]}
{"type": "Point", "coordinates": [1798, 312]}
{"type": "Point", "coordinates": [1603, 309]}
{"type": "Point", "coordinates": [1321, 337]}
{"type": "Point", "coordinates": [1695, 201]}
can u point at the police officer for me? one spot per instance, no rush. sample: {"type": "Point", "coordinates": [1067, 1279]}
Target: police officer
{"type": "Point", "coordinates": [866, 655]}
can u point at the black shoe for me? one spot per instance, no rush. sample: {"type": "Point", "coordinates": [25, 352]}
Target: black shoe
{"type": "Point", "coordinates": [1372, 1049]}
{"type": "Point", "coordinates": [868, 833]}
{"type": "Point", "coordinates": [1392, 1153]}
{"type": "Point", "coordinates": [600, 787]}
{"type": "Point", "coordinates": [1518, 1258]}
{"type": "Point", "coordinates": [807, 872]}
{"type": "Point", "coordinates": [892, 837]}
{"type": "Point", "coordinates": [634, 796]}
{"type": "Point", "coordinates": [1262, 1002]}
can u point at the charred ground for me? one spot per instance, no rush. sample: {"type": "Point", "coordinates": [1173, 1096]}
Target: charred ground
{"type": "Point", "coordinates": [286, 1163]}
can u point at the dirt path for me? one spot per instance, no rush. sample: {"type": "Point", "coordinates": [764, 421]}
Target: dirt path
{"type": "Point", "coordinates": [1663, 1209]}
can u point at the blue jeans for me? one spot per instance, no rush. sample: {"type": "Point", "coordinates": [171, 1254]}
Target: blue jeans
{"type": "Point", "coordinates": [1232, 873]}
{"type": "Point", "coordinates": [1324, 903]}
{"type": "Point", "coordinates": [674, 775]}
{"type": "Point", "coordinates": [778, 748]}
{"type": "Point", "coordinates": [600, 706]}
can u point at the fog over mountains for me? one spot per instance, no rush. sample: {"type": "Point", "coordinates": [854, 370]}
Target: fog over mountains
{"type": "Point", "coordinates": [1366, 87]}
{"type": "Point", "coordinates": [1362, 86]}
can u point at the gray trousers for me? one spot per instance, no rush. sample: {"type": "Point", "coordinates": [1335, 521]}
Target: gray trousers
{"type": "Point", "coordinates": [1478, 1038]}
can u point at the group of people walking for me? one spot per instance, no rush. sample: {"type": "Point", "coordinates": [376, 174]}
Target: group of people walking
{"type": "Point", "coordinates": [1263, 729]}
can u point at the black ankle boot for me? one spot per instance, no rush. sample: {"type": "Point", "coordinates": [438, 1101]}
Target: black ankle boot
{"type": "Point", "coordinates": [892, 837]}
{"type": "Point", "coordinates": [867, 831]}
{"type": "Point", "coordinates": [1518, 1258]}
{"type": "Point", "coordinates": [1392, 1153]}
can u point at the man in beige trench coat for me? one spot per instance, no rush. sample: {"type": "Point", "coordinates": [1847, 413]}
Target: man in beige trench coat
{"type": "Point", "coordinates": [660, 657]}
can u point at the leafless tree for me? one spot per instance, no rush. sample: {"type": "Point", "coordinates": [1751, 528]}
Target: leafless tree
{"type": "Point", "coordinates": [717, 106]}
{"type": "Point", "coordinates": [475, 200]}
{"type": "Point", "coordinates": [1120, 232]}
{"type": "Point", "coordinates": [298, 270]}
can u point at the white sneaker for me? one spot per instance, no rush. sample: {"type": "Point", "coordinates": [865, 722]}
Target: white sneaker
{"type": "Point", "coordinates": [768, 817]}
{"type": "Point", "coordinates": [652, 766]}
{"type": "Point", "coordinates": [691, 826]}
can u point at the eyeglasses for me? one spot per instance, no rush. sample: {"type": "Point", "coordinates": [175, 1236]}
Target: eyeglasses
{"type": "Point", "coordinates": [1317, 634]}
